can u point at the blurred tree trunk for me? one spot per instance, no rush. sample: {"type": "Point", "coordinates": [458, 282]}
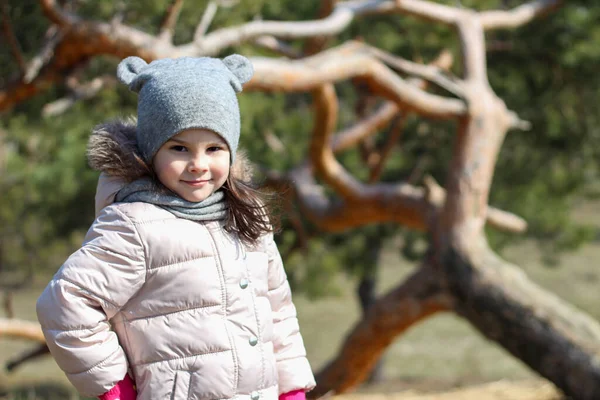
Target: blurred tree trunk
{"type": "Point", "coordinates": [459, 273]}
{"type": "Point", "coordinates": [367, 296]}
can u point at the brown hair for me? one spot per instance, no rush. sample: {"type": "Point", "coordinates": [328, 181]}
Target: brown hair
{"type": "Point", "coordinates": [250, 211]}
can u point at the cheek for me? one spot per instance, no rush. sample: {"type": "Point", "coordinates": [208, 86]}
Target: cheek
{"type": "Point", "coordinates": [224, 171]}
{"type": "Point", "coordinates": [165, 170]}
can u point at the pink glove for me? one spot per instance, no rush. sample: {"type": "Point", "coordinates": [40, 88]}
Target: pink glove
{"type": "Point", "coordinates": [293, 395]}
{"type": "Point", "coordinates": [123, 390]}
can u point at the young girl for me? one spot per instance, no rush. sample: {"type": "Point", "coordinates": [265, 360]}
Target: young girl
{"type": "Point", "coordinates": [179, 291]}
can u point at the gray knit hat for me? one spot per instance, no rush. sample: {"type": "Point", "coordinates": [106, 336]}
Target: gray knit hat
{"type": "Point", "coordinates": [183, 93]}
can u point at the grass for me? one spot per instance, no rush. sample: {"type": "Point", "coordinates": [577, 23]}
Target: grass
{"type": "Point", "coordinates": [443, 351]}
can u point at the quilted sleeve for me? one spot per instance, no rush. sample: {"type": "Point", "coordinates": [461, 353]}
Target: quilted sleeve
{"type": "Point", "coordinates": [292, 365]}
{"type": "Point", "coordinates": [88, 290]}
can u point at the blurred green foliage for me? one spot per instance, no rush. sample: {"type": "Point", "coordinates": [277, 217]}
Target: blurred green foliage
{"type": "Point", "coordinates": [545, 71]}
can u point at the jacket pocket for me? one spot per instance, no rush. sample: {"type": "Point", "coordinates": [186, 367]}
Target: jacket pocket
{"type": "Point", "coordinates": [181, 385]}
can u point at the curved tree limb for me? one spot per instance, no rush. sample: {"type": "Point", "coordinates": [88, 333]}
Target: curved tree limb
{"type": "Point", "coordinates": [58, 15]}
{"type": "Point", "coordinates": [417, 298]}
{"type": "Point", "coordinates": [361, 203]}
{"type": "Point", "coordinates": [431, 73]}
{"type": "Point", "coordinates": [518, 16]}
{"type": "Point", "coordinates": [553, 338]}
{"type": "Point", "coordinates": [206, 20]}
{"type": "Point", "coordinates": [431, 11]}
{"type": "Point", "coordinates": [365, 127]}
{"type": "Point", "coordinates": [79, 91]}
{"type": "Point", "coordinates": [387, 148]}
{"type": "Point", "coordinates": [334, 65]}
{"type": "Point", "coordinates": [19, 329]}
{"type": "Point", "coordinates": [344, 62]}
{"type": "Point", "coordinates": [490, 20]}
{"type": "Point", "coordinates": [53, 38]}
{"type": "Point", "coordinates": [277, 46]}
{"type": "Point", "coordinates": [39, 350]}
{"type": "Point", "coordinates": [496, 218]}
{"type": "Point", "coordinates": [386, 112]}
{"type": "Point", "coordinates": [120, 40]}
{"type": "Point", "coordinates": [213, 43]}
{"type": "Point", "coordinates": [401, 203]}
{"type": "Point", "coordinates": [167, 26]}
{"type": "Point", "coordinates": [316, 44]}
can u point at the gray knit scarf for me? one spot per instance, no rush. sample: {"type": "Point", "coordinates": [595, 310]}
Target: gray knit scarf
{"type": "Point", "coordinates": [147, 191]}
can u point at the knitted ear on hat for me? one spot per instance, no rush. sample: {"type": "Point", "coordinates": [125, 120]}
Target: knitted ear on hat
{"type": "Point", "coordinates": [241, 67]}
{"type": "Point", "coordinates": [128, 72]}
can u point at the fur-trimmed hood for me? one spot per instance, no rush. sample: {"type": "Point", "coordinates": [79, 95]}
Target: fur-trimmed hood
{"type": "Point", "coordinates": [112, 150]}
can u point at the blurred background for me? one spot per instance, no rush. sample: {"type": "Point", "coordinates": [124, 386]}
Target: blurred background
{"type": "Point", "coordinates": [546, 71]}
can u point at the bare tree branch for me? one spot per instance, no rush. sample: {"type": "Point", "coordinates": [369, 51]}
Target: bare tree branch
{"type": "Point", "coordinates": [344, 62]}
{"type": "Point", "coordinates": [431, 73]}
{"type": "Point", "coordinates": [518, 123]}
{"type": "Point", "coordinates": [19, 91]}
{"type": "Point", "coordinates": [79, 92]}
{"type": "Point", "coordinates": [499, 219]}
{"type": "Point", "coordinates": [317, 43]}
{"type": "Point", "coordinates": [490, 20]}
{"type": "Point", "coordinates": [121, 41]}
{"type": "Point", "coordinates": [277, 46]}
{"type": "Point", "coordinates": [226, 37]}
{"type": "Point", "coordinates": [472, 42]}
{"type": "Point", "coordinates": [417, 298]}
{"type": "Point", "coordinates": [325, 106]}
{"type": "Point", "coordinates": [518, 16]}
{"type": "Point", "coordinates": [392, 140]}
{"type": "Point", "coordinates": [205, 21]}
{"type": "Point", "coordinates": [273, 142]}
{"type": "Point", "coordinates": [365, 127]}
{"type": "Point", "coordinates": [26, 356]}
{"type": "Point", "coordinates": [167, 26]}
{"type": "Point", "coordinates": [57, 15]}
{"type": "Point", "coordinates": [342, 15]}
{"type": "Point", "coordinates": [361, 204]}
{"type": "Point", "coordinates": [471, 26]}
{"type": "Point", "coordinates": [380, 118]}
{"type": "Point", "coordinates": [44, 56]}
{"type": "Point", "coordinates": [431, 11]}
{"type": "Point", "coordinates": [19, 329]}
{"type": "Point", "coordinates": [399, 203]}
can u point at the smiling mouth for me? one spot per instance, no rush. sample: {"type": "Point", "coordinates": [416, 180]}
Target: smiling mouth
{"type": "Point", "coordinates": [197, 183]}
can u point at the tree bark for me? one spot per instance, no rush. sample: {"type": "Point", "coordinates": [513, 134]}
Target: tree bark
{"type": "Point", "coordinates": [419, 297]}
{"type": "Point", "coordinates": [550, 336]}
{"type": "Point", "coordinates": [366, 295]}
{"type": "Point", "coordinates": [19, 329]}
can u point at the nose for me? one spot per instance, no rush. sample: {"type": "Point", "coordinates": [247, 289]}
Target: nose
{"type": "Point", "coordinates": [198, 163]}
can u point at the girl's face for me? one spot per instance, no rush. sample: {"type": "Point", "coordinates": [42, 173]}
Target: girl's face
{"type": "Point", "coordinates": [193, 164]}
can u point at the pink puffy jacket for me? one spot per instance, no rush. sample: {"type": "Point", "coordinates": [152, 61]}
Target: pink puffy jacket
{"type": "Point", "coordinates": [184, 306]}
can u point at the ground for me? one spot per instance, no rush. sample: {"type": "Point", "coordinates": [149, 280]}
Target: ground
{"type": "Point", "coordinates": [501, 390]}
